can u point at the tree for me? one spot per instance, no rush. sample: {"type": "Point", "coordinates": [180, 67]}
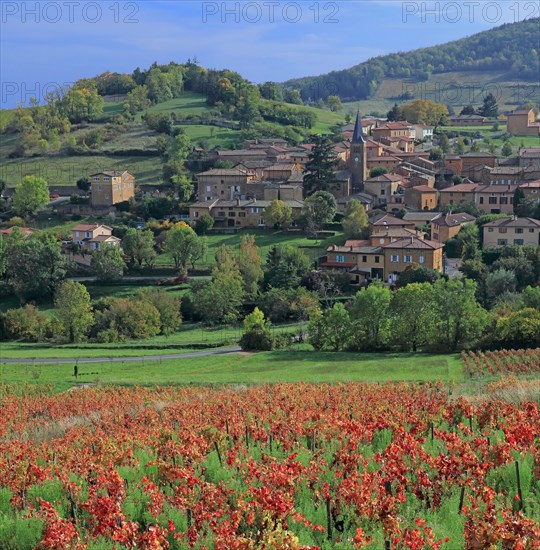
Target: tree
{"type": "Point", "coordinates": [271, 90]}
{"type": "Point", "coordinates": [168, 307]}
{"type": "Point", "coordinates": [499, 282]}
{"type": "Point", "coordinates": [285, 266]}
{"type": "Point", "coordinates": [331, 330]}
{"type": "Point", "coordinates": [412, 310]}
{"type": "Point", "coordinates": [394, 113]}
{"type": "Point", "coordinates": [355, 222]}
{"type": "Point", "coordinates": [74, 310]}
{"type": "Point", "coordinates": [333, 102]}
{"type": "Point", "coordinates": [31, 194]}
{"type": "Point", "coordinates": [296, 304]}
{"type": "Point", "coordinates": [370, 316]}
{"type": "Point", "coordinates": [378, 171]}
{"type": "Point", "coordinates": [107, 263]}
{"type": "Point", "coordinates": [137, 100]}
{"type": "Point", "coordinates": [319, 208]}
{"type": "Point", "coordinates": [425, 111]}
{"type": "Point", "coordinates": [83, 184]}
{"type": "Point", "coordinates": [183, 186]}
{"type": "Point", "coordinates": [218, 301]}
{"type": "Point", "coordinates": [257, 334]}
{"type": "Point", "coordinates": [182, 243]}
{"type": "Point", "coordinates": [444, 143]}
{"type": "Point", "coordinates": [460, 320]}
{"type": "Point", "coordinates": [506, 149]}
{"type": "Point", "coordinates": [319, 170]}
{"type": "Point", "coordinates": [468, 110]}
{"type": "Point", "coordinates": [138, 246]}
{"type": "Point", "coordinates": [250, 265]}
{"type": "Point", "coordinates": [81, 103]}
{"type": "Point", "coordinates": [519, 197]}
{"type": "Point", "coordinates": [203, 224]}
{"type": "Point", "coordinates": [34, 265]}
{"type": "Point", "coordinates": [489, 107]}
{"type": "Point", "coordinates": [292, 96]}
{"type": "Point", "coordinates": [417, 274]}
{"type": "Point", "coordinates": [520, 329]}
{"type": "Point", "coordinates": [278, 214]}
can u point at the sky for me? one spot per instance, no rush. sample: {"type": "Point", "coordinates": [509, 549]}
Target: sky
{"type": "Point", "coordinates": [45, 44]}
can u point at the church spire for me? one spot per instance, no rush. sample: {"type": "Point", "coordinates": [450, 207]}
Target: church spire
{"type": "Point", "coordinates": [358, 136]}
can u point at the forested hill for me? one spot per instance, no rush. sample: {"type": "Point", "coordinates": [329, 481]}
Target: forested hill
{"type": "Point", "coordinates": [513, 47]}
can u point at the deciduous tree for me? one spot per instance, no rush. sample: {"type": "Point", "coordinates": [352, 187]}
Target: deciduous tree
{"type": "Point", "coordinates": [74, 310]}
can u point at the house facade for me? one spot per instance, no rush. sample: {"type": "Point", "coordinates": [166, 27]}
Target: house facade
{"type": "Point", "coordinates": [225, 184]}
{"type": "Point", "coordinates": [447, 226]}
{"type": "Point", "coordinates": [522, 122]}
{"type": "Point", "coordinates": [93, 236]}
{"type": "Point", "coordinates": [511, 231]}
{"type": "Point", "coordinates": [111, 187]}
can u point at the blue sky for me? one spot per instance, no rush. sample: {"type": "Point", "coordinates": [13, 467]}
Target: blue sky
{"type": "Point", "coordinates": [48, 43]}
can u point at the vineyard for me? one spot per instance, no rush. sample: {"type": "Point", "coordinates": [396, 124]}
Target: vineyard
{"type": "Point", "coordinates": [269, 467]}
{"type": "Point", "coordinates": [521, 361]}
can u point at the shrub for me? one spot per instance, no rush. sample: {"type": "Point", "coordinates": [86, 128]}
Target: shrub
{"type": "Point", "coordinates": [25, 323]}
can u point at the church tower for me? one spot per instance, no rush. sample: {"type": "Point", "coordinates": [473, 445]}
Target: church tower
{"type": "Point", "coordinates": [358, 156]}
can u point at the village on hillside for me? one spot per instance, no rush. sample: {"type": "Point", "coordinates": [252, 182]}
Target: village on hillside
{"type": "Point", "coordinates": [414, 204]}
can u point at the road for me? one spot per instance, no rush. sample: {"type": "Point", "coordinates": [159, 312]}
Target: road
{"type": "Point", "coordinates": [71, 360]}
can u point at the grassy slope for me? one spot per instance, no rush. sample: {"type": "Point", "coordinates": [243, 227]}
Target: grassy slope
{"type": "Point", "coordinates": [271, 367]}
{"type": "Point", "coordinates": [265, 240]}
{"type": "Point", "coordinates": [62, 169]}
{"type": "Point", "coordinates": [458, 89]}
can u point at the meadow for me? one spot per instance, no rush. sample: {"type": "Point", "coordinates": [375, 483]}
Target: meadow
{"type": "Point", "coordinates": [237, 368]}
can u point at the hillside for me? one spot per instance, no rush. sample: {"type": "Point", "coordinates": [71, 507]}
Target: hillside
{"type": "Point", "coordinates": [508, 53]}
{"type": "Point", "coordinates": [133, 145]}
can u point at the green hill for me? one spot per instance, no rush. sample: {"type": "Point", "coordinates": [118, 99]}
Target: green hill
{"type": "Point", "coordinates": [500, 58]}
{"type": "Point", "coordinates": [133, 146]}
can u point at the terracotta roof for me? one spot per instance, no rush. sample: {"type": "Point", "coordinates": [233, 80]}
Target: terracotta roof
{"type": "Point", "coordinates": [531, 184]}
{"type": "Point", "coordinates": [451, 220]}
{"type": "Point", "coordinates": [102, 238]}
{"type": "Point", "coordinates": [423, 189]}
{"type": "Point", "coordinates": [89, 227]}
{"type": "Point", "coordinates": [111, 173]}
{"type": "Point", "coordinates": [387, 219]}
{"type": "Point", "coordinates": [460, 188]}
{"type": "Point", "coordinates": [223, 172]}
{"type": "Point", "coordinates": [496, 188]}
{"type": "Point", "coordinates": [414, 243]}
{"type": "Point", "coordinates": [23, 230]}
{"type": "Point", "coordinates": [514, 222]}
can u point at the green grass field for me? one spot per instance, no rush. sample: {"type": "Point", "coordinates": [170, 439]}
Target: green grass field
{"type": "Point", "coordinates": [267, 367]}
{"type": "Point", "coordinates": [265, 240]}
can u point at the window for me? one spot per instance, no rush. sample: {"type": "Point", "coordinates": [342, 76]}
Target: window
{"type": "Point", "coordinates": [232, 214]}
{"type": "Point", "coordinates": [394, 258]}
{"type": "Point", "coordinates": [222, 214]}
{"type": "Point", "coordinates": [207, 198]}
{"type": "Point", "coordinates": [492, 200]}
{"type": "Point", "coordinates": [531, 229]}
{"type": "Point", "coordinates": [481, 200]}
{"type": "Point", "coordinates": [502, 242]}
{"type": "Point", "coordinates": [340, 259]}
{"type": "Point", "coordinates": [241, 214]}
{"type": "Point", "coordinates": [490, 230]}
{"type": "Point", "coordinates": [364, 259]}
{"type": "Point", "coordinates": [196, 214]}
{"type": "Point", "coordinates": [77, 234]}
{"type": "Point", "coordinates": [518, 241]}
{"type": "Point", "coordinates": [383, 192]}
{"type": "Point", "coordinates": [503, 229]}
{"type": "Point", "coordinates": [208, 188]}
{"type": "Point", "coordinates": [519, 230]}
{"type": "Point", "coordinates": [421, 259]}
{"type": "Point", "coordinates": [376, 259]}
{"type": "Point", "coordinates": [88, 234]}
{"type": "Point", "coordinates": [504, 200]}
{"type": "Point", "coordinates": [407, 259]}
{"type": "Point", "coordinates": [254, 210]}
